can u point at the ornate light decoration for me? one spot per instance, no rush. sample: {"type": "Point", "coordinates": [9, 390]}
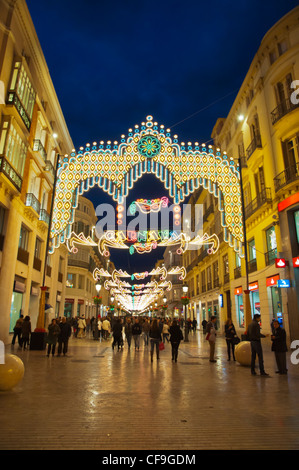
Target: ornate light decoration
{"type": "Point", "coordinates": [150, 148]}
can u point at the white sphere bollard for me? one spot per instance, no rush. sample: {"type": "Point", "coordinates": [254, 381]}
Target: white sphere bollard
{"type": "Point", "coordinates": [11, 372]}
{"type": "Point", "coordinates": [243, 353]}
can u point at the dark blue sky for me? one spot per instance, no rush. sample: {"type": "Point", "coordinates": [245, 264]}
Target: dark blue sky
{"type": "Point", "coordinates": [113, 62]}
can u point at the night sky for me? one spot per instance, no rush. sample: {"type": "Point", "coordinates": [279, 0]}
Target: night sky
{"type": "Point", "coordinates": [114, 62]}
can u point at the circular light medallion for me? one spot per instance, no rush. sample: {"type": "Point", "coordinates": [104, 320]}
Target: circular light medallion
{"type": "Point", "coordinates": [149, 146]}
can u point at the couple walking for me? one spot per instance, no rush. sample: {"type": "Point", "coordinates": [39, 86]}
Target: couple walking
{"type": "Point", "coordinates": [176, 336]}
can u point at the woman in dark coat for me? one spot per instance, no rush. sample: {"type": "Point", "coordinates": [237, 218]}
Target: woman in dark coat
{"type": "Point", "coordinates": [155, 338]}
{"type": "Point", "coordinates": [279, 346]}
{"type": "Point", "coordinates": [230, 333]}
{"type": "Point", "coordinates": [54, 331]}
{"type": "Point", "coordinates": [176, 337]}
{"type": "Point", "coordinates": [26, 331]}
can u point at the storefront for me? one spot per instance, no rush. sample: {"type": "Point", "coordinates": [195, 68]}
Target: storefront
{"type": "Point", "coordinates": [254, 296]}
{"type": "Point", "coordinates": [274, 294]}
{"type": "Point", "coordinates": [16, 303]}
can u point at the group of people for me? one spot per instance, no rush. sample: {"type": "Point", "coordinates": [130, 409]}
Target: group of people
{"type": "Point", "coordinates": [58, 332]}
{"type": "Point", "coordinates": [155, 333]}
{"type": "Point", "coordinates": [22, 331]}
{"type": "Point", "coordinates": [254, 335]}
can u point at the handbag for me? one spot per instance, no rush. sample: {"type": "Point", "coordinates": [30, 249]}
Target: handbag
{"type": "Point", "coordinates": [161, 346]}
{"type": "Point", "coordinates": [208, 336]}
{"type": "Point", "coordinates": [236, 340]}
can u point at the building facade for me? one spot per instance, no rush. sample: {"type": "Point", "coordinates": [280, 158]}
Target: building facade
{"type": "Point", "coordinates": [33, 133]}
{"type": "Point", "coordinates": [261, 132]}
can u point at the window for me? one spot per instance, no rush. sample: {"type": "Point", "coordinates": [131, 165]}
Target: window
{"type": "Point", "coordinates": [12, 147]}
{"type": "Point", "coordinates": [251, 250]}
{"type": "Point", "coordinates": [282, 47]}
{"type": "Point", "coordinates": [24, 238]}
{"type": "Point", "coordinates": [21, 85]}
{"type": "Point", "coordinates": [81, 282]}
{"type": "Point", "coordinates": [38, 248]}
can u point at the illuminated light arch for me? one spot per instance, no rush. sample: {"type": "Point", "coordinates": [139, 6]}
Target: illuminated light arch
{"type": "Point", "coordinates": [115, 168]}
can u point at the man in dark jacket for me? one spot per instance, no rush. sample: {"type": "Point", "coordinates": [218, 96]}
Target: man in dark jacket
{"type": "Point", "coordinates": [255, 335]}
{"type": "Point", "coordinates": [63, 338]}
{"type": "Point", "coordinates": [279, 346]}
{"type": "Point", "coordinates": [117, 334]}
{"type": "Point", "coordinates": [176, 336]}
{"type": "Point", "coordinates": [136, 332]}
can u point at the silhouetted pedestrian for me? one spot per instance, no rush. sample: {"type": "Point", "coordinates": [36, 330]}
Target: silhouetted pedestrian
{"type": "Point", "coordinates": [52, 338]}
{"type": "Point", "coordinates": [26, 331]}
{"type": "Point", "coordinates": [255, 335]}
{"type": "Point", "coordinates": [155, 338]}
{"type": "Point", "coordinates": [176, 336]}
{"type": "Point", "coordinates": [211, 336]}
{"type": "Point", "coordinates": [63, 337]}
{"type": "Point", "coordinates": [279, 346]}
{"type": "Point", "coordinates": [230, 334]}
{"type": "Point", "coordinates": [18, 331]}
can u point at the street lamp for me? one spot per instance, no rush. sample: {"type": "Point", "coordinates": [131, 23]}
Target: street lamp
{"type": "Point", "coordinates": [247, 309]}
{"type": "Point", "coordinates": [96, 331]}
{"type": "Point", "coordinates": [185, 303]}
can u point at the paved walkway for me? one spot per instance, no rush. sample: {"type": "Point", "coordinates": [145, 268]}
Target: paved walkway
{"type": "Point", "coordinates": [97, 398]}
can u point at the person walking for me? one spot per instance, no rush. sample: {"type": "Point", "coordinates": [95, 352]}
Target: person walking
{"type": "Point", "coordinates": [26, 332]}
{"type": "Point", "coordinates": [81, 327]}
{"type": "Point", "coordinates": [117, 334]}
{"type": "Point", "coordinates": [136, 332]}
{"type": "Point", "coordinates": [128, 331]}
{"type": "Point", "coordinates": [155, 338]}
{"type": "Point", "coordinates": [64, 336]}
{"type": "Point", "coordinates": [230, 334]}
{"type": "Point", "coordinates": [279, 347]}
{"type": "Point", "coordinates": [176, 336]}
{"type": "Point", "coordinates": [52, 338]}
{"type": "Point", "coordinates": [211, 336]}
{"type": "Point", "coordinates": [165, 331]}
{"type": "Point", "coordinates": [106, 328]}
{"type": "Point", "coordinates": [145, 329]}
{"type": "Point", "coordinates": [255, 335]}
{"type": "Point", "coordinates": [18, 331]}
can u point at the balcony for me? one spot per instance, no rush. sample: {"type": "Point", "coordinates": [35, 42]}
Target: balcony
{"type": "Point", "coordinates": [44, 216]}
{"type": "Point", "coordinates": [263, 197]}
{"type": "Point", "coordinates": [282, 109]}
{"type": "Point", "coordinates": [38, 147]}
{"type": "Point", "coordinates": [270, 257]}
{"type": "Point", "coordinates": [14, 100]}
{"type": "Point", "coordinates": [32, 201]}
{"type": "Point", "coordinates": [10, 173]}
{"type": "Point", "coordinates": [237, 272]}
{"type": "Point", "coordinates": [252, 266]}
{"type": "Point", "coordinates": [254, 144]}
{"type": "Point", "coordinates": [287, 176]}
{"type": "Point", "coordinates": [23, 255]}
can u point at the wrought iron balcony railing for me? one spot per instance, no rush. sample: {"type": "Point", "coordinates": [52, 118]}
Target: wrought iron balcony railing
{"type": "Point", "coordinates": [270, 256]}
{"type": "Point", "coordinates": [32, 201]}
{"type": "Point", "coordinates": [287, 176]}
{"type": "Point", "coordinates": [282, 109]}
{"type": "Point", "coordinates": [254, 144]}
{"type": "Point", "coordinates": [263, 197]}
{"type": "Point", "coordinates": [12, 175]}
{"type": "Point", "coordinates": [38, 147]}
{"type": "Point", "coordinates": [44, 216]}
